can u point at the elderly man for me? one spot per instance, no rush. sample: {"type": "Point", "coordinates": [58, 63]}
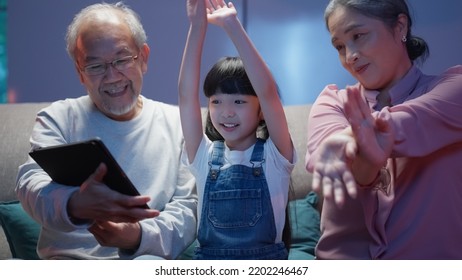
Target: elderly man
{"type": "Point", "coordinates": [107, 42]}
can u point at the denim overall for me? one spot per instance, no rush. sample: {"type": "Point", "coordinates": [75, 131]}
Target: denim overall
{"type": "Point", "coordinates": [237, 219]}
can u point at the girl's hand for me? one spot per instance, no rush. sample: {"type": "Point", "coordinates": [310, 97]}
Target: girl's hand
{"type": "Point", "coordinates": [218, 11]}
{"type": "Point", "coordinates": [196, 11]}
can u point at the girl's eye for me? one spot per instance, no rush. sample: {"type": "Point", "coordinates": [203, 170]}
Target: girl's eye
{"type": "Point", "coordinates": [339, 47]}
{"type": "Point", "coordinates": [215, 101]}
{"type": "Point", "coordinates": [239, 102]}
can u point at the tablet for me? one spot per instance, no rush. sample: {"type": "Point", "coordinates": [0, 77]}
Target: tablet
{"type": "Point", "coordinates": [71, 164]}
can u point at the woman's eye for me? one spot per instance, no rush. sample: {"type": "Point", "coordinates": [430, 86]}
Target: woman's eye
{"type": "Point", "coordinates": [358, 36]}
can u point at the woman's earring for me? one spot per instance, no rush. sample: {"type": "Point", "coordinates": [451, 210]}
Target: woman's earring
{"type": "Point", "coordinates": [404, 39]}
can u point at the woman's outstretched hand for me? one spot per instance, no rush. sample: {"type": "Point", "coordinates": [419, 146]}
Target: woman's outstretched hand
{"type": "Point", "coordinates": [355, 155]}
{"type": "Point", "coordinates": [374, 135]}
{"type": "Point", "coordinates": [332, 174]}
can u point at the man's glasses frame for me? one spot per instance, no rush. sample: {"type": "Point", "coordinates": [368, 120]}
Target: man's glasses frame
{"type": "Point", "coordinates": [120, 64]}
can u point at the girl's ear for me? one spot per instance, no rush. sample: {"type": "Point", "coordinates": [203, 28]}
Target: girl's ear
{"type": "Point", "coordinates": [260, 114]}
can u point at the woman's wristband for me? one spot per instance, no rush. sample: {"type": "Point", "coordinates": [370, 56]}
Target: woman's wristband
{"type": "Point", "coordinates": [381, 182]}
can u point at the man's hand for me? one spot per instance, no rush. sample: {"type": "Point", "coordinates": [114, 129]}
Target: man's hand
{"type": "Point", "coordinates": [97, 202]}
{"type": "Point", "coordinates": [121, 235]}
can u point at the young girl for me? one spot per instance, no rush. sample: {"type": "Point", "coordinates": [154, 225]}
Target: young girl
{"type": "Point", "coordinates": [242, 180]}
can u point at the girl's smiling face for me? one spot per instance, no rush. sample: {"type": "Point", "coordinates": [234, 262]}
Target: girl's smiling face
{"type": "Point", "coordinates": [236, 118]}
{"type": "Point", "coordinates": [370, 50]}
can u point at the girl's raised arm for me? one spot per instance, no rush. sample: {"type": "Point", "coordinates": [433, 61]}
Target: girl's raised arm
{"type": "Point", "coordinates": [189, 77]}
{"type": "Point", "coordinates": [225, 16]}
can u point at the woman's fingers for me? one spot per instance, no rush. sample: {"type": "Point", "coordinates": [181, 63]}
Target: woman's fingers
{"type": "Point", "coordinates": [339, 193]}
{"type": "Point", "coordinates": [350, 184]}
{"type": "Point", "coordinates": [335, 186]}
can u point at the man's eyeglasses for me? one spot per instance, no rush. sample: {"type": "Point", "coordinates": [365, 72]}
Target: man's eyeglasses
{"type": "Point", "coordinates": [121, 64]}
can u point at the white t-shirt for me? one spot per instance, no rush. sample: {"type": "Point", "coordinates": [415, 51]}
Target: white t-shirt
{"type": "Point", "coordinates": [276, 167]}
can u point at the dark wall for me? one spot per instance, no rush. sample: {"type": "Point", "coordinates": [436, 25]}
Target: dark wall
{"type": "Point", "coordinates": [289, 33]}
{"type": "Point", "coordinates": [40, 70]}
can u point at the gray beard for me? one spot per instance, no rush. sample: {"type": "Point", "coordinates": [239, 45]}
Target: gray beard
{"type": "Point", "coordinates": [119, 111]}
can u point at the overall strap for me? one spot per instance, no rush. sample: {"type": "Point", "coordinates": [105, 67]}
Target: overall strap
{"type": "Point", "coordinates": [257, 158]}
{"type": "Point", "coordinates": [217, 158]}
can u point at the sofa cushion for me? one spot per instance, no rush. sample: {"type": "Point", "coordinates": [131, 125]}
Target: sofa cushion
{"type": "Point", "coordinates": [20, 229]}
{"type": "Point", "coordinates": [305, 221]}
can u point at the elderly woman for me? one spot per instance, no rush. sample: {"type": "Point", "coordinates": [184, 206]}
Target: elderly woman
{"type": "Point", "coordinates": [386, 152]}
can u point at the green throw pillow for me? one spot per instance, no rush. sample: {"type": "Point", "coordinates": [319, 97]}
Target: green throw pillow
{"type": "Point", "coordinates": [305, 226]}
{"type": "Point", "coordinates": [20, 229]}
{"type": "Point", "coordinates": [188, 253]}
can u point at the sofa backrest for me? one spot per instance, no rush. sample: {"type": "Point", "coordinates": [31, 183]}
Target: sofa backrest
{"type": "Point", "coordinates": [297, 118]}
{"type": "Point", "coordinates": [16, 122]}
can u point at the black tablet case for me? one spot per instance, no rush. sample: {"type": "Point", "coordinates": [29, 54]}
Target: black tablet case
{"type": "Point", "coordinates": [71, 164]}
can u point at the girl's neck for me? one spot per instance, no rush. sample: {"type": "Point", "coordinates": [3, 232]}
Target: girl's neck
{"type": "Point", "coordinates": [240, 145]}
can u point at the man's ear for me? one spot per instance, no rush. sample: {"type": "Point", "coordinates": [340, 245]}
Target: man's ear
{"type": "Point", "coordinates": [144, 56]}
{"type": "Point", "coordinates": [82, 79]}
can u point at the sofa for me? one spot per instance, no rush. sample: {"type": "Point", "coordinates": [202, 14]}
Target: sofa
{"type": "Point", "coordinates": [19, 233]}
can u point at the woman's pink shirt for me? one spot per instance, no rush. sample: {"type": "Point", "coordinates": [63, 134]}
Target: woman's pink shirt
{"type": "Point", "coordinates": [420, 217]}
